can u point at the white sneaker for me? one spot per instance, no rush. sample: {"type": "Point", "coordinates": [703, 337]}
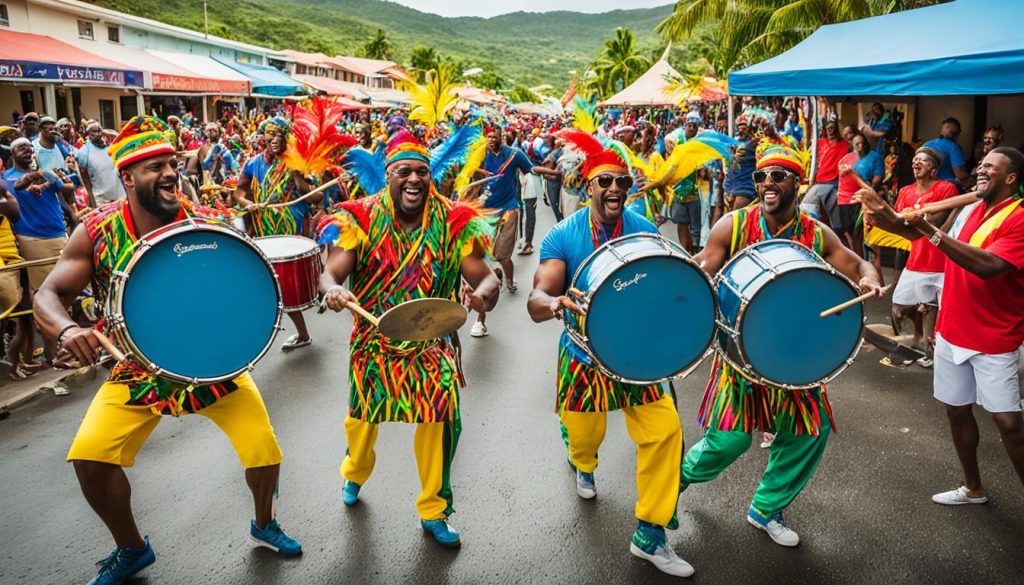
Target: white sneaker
{"type": "Point", "coordinates": [478, 330]}
{"type": "Point", "coordinates": [774, 526]}
{"type": "Point", "coordinates": [586, 487]}
{"type": "Point", "coordinates": [957, 497]}
{"type": "Point", "coordinates": [665, 559]}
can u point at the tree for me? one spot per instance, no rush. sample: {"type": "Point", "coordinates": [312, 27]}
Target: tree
{"type": "Point", "coordinates": [749, 31]}
{"type": "Point", "coordinates": [422, 60]}
{"type": "Point", "coordinates": [379, 47]}
{"type": "Point", "coordinates": [619, 63]}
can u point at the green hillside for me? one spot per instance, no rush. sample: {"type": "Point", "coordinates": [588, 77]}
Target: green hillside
{"type": "Point", "coordinates": [530, 48]}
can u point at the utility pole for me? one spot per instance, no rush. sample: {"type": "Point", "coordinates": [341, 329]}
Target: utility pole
{"type": "Point", "coordinates": [206, 20]}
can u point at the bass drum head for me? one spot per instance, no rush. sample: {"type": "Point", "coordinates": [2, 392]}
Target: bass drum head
{"type": "Point", "coordinates": [785, 340]}
{"type": "Point", "coordinates": [651, 319]}
{"type": "Point", "coordinates": [173, 307]}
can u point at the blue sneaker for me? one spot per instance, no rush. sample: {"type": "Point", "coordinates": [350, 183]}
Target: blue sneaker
{"type": "Point", "coordinates": [122, 564]}
{"type": "Point", "coordinates": [442, 532]}
{"type": "Point", "coordinates": [774, 526]}
{"type": "Point", "coordinates": [585, 486]}
{"type": "Point", "coordinates": [350, 492]}
{"type": "Point", "coordinates": [274, 538]}
{"type": "Point", "coordinates": [649, 543]}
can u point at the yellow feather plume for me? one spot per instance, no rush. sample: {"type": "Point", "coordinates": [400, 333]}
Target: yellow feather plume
{"type": "Point", "coordinates": [477, 153]}
{"type": "Point", "coordinates": [432, 103]}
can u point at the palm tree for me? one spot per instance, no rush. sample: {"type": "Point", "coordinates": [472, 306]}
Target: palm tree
{"type": "Point", "coordinates": [750, 31]}
{"type": "Point", "coordinates": [619, 63]}
{"type": "Point", "coordinates": [422, 60]}
{"type": "Point", "coordinates": [379, 47]}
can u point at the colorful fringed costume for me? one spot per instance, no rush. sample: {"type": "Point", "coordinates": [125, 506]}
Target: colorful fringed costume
{"type": "Point", "coordinates": [113, 237]}
{"type": "Point", "coordinates": [398, 381]}
{"type": "Point", "coordinates": [271, 182]}
{"type": "Point", "coordinates": [733, 407]}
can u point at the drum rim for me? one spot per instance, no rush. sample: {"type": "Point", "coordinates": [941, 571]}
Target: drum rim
{"type": "Point", "coordinates": [114, 306]}
{"type": "Point", "coordinates": [745, 370]}
{"type": "Point", "coordinates": [581, 339]}
{"type": "Point", "coordinates": [277, 259]}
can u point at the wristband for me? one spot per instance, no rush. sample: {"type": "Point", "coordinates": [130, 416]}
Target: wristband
{"type": "Point", "coordinates": [936, 238]}
{"type": "Point", "coordinates": [63, 330]}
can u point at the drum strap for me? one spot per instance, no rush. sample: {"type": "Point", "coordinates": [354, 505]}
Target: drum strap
{"type": "Point", "coordinates": [599, 231]}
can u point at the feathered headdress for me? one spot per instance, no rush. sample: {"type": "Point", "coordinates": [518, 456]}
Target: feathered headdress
{"type": "Point", "coordinates": [596, 158]}
{"type": "Point", "coordinates": [367, 167]}
{"type": "Point", "coordinates": [585, 116]}
{"type": "Point", "coordinates": [432, 103]}
{"type": "Point", "coordinates": [315, 143]}
{"type": "Point", "coordinates": [454, 150]}
{"type": "Point", "coordinates": [685, 158]}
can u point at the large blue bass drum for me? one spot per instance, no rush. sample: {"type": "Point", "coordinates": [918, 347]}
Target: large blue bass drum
{"type": "Point", "coordinates": [163, 305]}
{"type": "Point", "coordinates": [649, 309]}
{"type": "Point", "coordinates": [770, 296]}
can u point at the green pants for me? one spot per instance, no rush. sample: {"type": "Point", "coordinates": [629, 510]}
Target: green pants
{"type": "Point", "coordinates": [791, 463]}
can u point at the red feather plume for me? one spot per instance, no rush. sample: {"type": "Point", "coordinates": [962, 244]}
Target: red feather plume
{"type": "Point", "coordinates": [316, 144]}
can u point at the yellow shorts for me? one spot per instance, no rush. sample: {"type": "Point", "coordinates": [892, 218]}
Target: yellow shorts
{"type": "Point", "coordinates": [113, 432]}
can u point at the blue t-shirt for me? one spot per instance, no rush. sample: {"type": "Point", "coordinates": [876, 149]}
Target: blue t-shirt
{"type": "Point", "coordinates": [571, 242]}
{"type": "Point", "coordinates": [739, 177]}
{"type": "Point", "coordinates": [257, 167]}
{"type": "Point", "coordinates": [41, 215]}
{"type": "Point", "coordinates": [952, 156]}
{"type": "Point", "coordinates": [795, 130]}
{"type": "Point", "coordinates": [871, 165]}
{"type": "Point", "coordinates": [504, 191]}
{"type": "Point", "coordinates": [882, 125]}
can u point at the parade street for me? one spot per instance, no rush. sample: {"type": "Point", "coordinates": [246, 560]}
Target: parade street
{"type": "Point", "coordinates": [866, 517]}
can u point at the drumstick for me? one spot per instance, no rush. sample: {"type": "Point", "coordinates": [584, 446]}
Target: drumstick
{"type": "Point", "coordinates": [330, 183]}
{"type": "Point", "coordinates": [838, 308]}
{"type": "Point", "coordinates": [109, 346]}
{"type": "Point", "coordinates": [30, 263]}
{"type": "Point", "coordinates": [362, 313]}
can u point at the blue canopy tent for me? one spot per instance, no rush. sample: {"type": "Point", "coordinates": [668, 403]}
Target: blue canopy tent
{"type": "Point", "coordinates": [266, 80]}
{"type": "Point", "coordinates": [966, 47]}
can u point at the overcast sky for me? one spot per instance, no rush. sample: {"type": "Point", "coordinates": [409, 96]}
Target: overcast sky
{"type": "Point", "coordinates": [479, 8]}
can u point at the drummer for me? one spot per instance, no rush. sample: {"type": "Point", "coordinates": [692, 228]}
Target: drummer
{"type": "Point", "coordinates": [408, 242]}
{"type": "Point", "coordinates": [129, 405]}
{"type": "Point", "coordinates": [584, 393]}
{"type": "Point", "coordinates": [265, 179]}
{"type": "Point", "coordinates": [733, 407]}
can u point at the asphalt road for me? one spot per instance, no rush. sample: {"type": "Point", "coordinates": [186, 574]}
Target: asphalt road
{"type": "Point", "coordinates": [866, 517]}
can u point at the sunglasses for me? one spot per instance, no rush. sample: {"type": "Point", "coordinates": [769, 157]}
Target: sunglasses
{"type": "Point", "coordinates": [624, 182]}
{"type": "Point", "coordinates": [405, 171]}
{"type": "Point", "coordinates": [777, 175]}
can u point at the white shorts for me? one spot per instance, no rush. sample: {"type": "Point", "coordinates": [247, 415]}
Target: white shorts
{"type": "Point", "coordinates": [918, 288]}
{"type": "Point", "coordinates": [963, 376]}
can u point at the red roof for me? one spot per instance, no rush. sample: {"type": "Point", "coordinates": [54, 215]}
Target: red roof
{"type": "Point", "coordinates": [18, 46]}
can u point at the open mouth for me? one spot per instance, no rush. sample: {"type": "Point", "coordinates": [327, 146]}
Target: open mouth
{"type": "Point", "coordinates": [983, 180]}
{"type": "Point", "coordinates": [412, 195]}
{"type": "Point", "coordinates": [770, 196]}
{"type": "Point", "coordinates": [613, 202]}
{"type": "Point", "coordinates": [167, 190]}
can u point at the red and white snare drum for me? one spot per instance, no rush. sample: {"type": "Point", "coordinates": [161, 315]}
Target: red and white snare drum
{"type": "Point", "coordinates": [298, 265]}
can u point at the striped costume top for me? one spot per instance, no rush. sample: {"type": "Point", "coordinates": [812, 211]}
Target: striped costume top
{"type": "Point", "coordinates": [401, 381]}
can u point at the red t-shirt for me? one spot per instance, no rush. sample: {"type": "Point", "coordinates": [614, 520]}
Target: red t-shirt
{"type": "Point", "coordinates": [986, 315]}
{"type": "Point", "coordinates": [828, 159]}
{"type": "Point", "coordinates": [925, 257]}
{"type": "Point", "coordinates": [848, 185]}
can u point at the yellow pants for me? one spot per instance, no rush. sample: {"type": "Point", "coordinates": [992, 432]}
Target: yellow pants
{"type": "Point", "coordinates": [113, 432]}
{"type": "Point", "coordinates": [433, 444]}
{"type": "Point", "coordinates": [655, 429]}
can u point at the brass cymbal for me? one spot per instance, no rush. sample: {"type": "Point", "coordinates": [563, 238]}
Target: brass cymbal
{"type": "Point", "coordinates": [422, 319]}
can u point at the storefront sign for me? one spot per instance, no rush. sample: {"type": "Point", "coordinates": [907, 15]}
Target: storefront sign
{"type": "Point", "coordinates": [198, 84]}
{"type": "Point", "coordinates": [55, 72]}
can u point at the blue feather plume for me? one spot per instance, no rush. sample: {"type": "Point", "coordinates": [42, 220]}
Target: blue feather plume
{"type": "Point", "coordinates": [454, 150]}
{"type": "Point", "coordinates": [368, 168]}
{"type": "Point", "coordinates": [720, 142]}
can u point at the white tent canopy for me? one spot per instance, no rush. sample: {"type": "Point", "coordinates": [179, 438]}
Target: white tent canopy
{"type": "Point", "coordinates": [650, 89]}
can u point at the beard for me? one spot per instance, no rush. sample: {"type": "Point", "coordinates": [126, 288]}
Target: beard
{"type": "Point", "coordinates": [152, 202]}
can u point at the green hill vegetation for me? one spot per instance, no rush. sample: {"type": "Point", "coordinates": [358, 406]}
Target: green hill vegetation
{"type": "Point", "coordinates": [520, 49]}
